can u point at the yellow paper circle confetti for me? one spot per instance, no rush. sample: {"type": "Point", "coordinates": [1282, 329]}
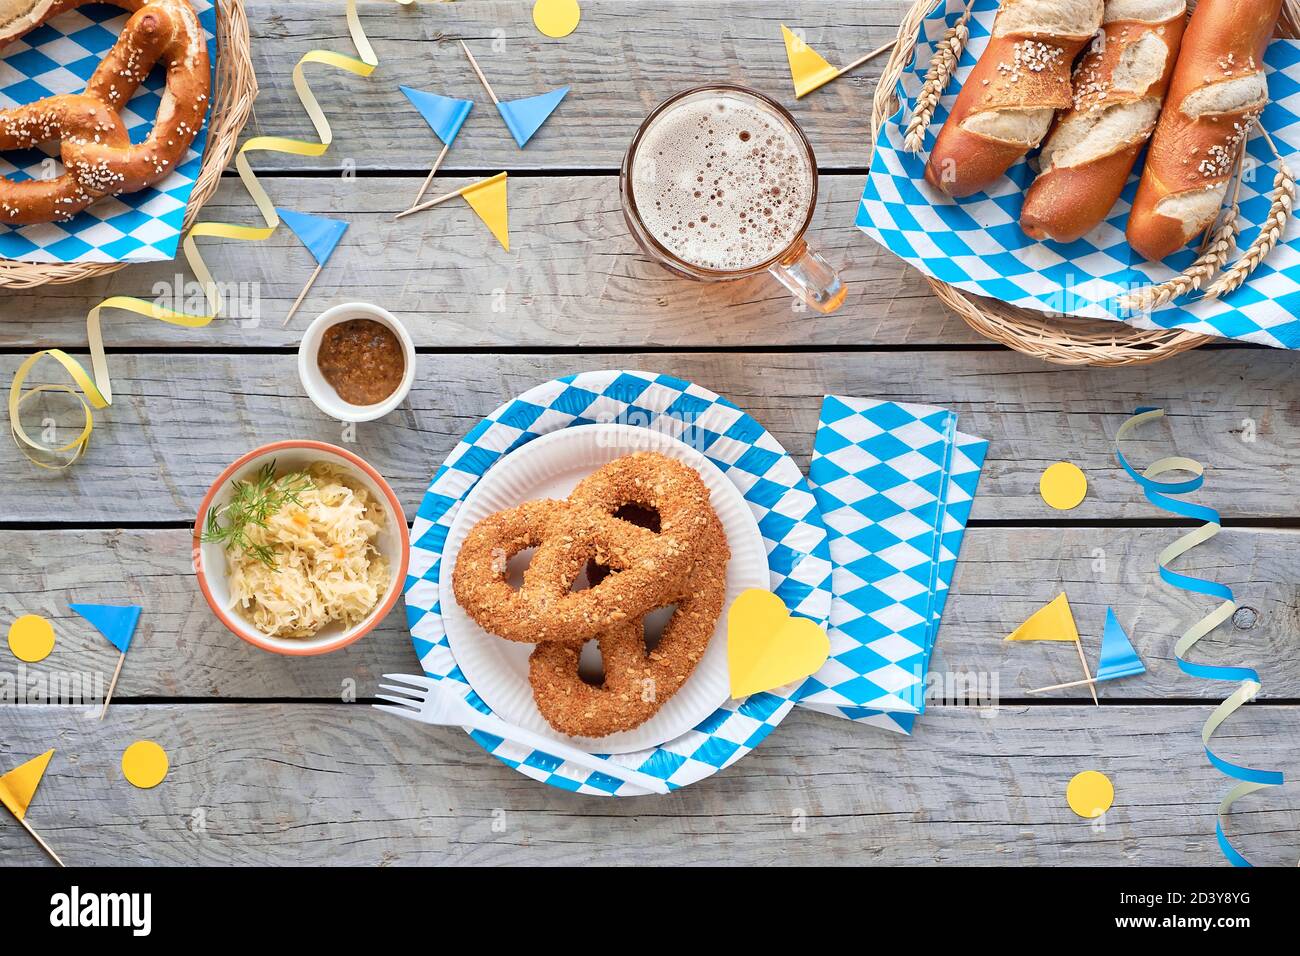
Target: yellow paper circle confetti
{"type": "Point", "coordinates": [1090, 794]}
{"type": "Point", "coordinates": [556, 18]}
{"type": "Point", "coordinates": [31, 638]}
{"type": "Point", "coordinates": [1063, 486]}
{"type": "Point", "coordinates": [144, 764]}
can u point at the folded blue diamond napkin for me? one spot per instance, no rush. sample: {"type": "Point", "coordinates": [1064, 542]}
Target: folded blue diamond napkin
{"type": "Point", "coordinates": [894, 483]}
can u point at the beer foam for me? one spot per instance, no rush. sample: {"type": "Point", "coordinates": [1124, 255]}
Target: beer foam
{"type": "Point", "coordinates": [722, 182]}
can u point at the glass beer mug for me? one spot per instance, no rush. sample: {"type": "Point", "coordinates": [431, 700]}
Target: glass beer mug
{"type": "Point", "coordinates": [720, 183]}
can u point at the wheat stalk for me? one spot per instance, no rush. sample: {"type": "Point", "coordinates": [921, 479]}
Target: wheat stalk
{"type": "Point", "coordinates": [1274, 225]}
{"type": "Point", "coordinates": [937, 77]}
{"type": "Point", "coordinates": [1216, 253]}
{"type": "Point", "coordinates": [1216, 248]}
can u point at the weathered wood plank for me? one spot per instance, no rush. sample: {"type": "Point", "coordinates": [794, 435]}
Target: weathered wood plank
{"type": "Point", "coordinates": [573, 277]}
{"type": "Point", "coordinates": [331, 784]}
{"type": "Point", "coordinates": [179, 419]}
{"type": "Point", "coordinates": [623, 60]}
{"type": "Point", "coordinates": [319, 783]}
{"type": "Point", "coordinates": [1004, 574]}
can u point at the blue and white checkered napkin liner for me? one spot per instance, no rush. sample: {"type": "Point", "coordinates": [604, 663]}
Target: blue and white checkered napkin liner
{"type": "Point", "coordinates": [976, 244]}
{"type": "Point", "coordinates": [742, 449]}
{"type": "Point", "coordinates": [59, 57]}
{"type": "Point", "coordinates": [895, 484]}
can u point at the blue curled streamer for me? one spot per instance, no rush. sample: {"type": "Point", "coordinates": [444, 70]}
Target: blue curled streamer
{"type": "Point", "coordinates": [1161, 494]}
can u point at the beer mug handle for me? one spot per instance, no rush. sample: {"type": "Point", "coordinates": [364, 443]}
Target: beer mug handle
{"type": "Point", "coordinates": [811, 278]}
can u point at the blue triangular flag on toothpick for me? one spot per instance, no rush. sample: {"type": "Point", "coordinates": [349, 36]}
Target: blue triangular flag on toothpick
{"type": "Point", "coordinates": [445, 114]}
{"type": "Point", "coordinates": [1118, 657]}
{"type": "Point", "coordinates": [116, 622]}
{"type": "Point", "coordinates": [318, 233]}
{"type": "Point", "coordinates": [524, 117]}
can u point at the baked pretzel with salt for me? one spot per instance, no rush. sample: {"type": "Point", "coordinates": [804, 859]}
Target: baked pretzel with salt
{"type": "Point", "coordinates": [637, 679]}
{"type": "Point", "coordinates": [98, 157]}
{"type": "Point", "coordinates": [651, 566]}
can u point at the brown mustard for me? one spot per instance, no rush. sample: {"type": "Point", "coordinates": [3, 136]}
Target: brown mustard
{"type": "Point", "coordinates": [363, 360]}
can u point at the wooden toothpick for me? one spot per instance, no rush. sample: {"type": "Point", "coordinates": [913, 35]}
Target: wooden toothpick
{"type": "Point", "coordinates": [37, 837]}
{"type": "Point", "coordinates": [431, 203]}
{"type": "Point", "coordinates": [429, 179]}
{"type": "Point", "coordinates": [112, 685]}
{"type": "Point", "coordinates": [302, 295]}
{"type": "Point", "coordinates": [863, 59]}
{"type": "Point", "coordinates": [1073, 683]}
{"type": "Point", "coordinates": [1087, 673]}
{"type": "Point", "coordinates": [482, 79]}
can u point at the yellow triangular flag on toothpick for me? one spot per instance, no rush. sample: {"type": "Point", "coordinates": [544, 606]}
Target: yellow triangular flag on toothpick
{"type": "Point", "coordinates": [1053, 622]}
{"type": "Point", "coordinates": [487, 197]}
{"type": "Point", "coordinates": [807, 67]}
{"type": "Point", "coordinates": [19, 785]}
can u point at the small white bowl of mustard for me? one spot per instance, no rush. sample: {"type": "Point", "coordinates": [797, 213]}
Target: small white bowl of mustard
{"type": "Point", "coordinates": [357, 362]}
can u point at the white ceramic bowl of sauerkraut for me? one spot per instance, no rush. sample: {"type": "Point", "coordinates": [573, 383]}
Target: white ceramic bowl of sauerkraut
{"type": "Point", "coordinates": [333, 559]}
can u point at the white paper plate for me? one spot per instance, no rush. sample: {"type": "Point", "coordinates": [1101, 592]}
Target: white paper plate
{"type": "Point", "coordinates": [549, 467]}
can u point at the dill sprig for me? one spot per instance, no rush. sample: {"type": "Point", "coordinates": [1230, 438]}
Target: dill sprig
{"type": "Point", "coordinates": [254, 503]}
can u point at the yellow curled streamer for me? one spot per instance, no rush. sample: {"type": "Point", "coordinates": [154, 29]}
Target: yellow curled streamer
{"type": "Point", "coordinates": [95, 391]}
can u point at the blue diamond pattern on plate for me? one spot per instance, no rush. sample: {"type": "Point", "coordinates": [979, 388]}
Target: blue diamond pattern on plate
{"type": "Point", "coordinates": [742, 449]}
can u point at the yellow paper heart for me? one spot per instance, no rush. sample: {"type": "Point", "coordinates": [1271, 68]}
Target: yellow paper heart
{"type": "Point", "coordinates": [767, 647]}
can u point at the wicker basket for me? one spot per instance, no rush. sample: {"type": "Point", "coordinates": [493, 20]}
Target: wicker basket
{"type": "Point", "coordinates": [232, 102]}
{"type": "Point", "coordinates": [1063, 340]}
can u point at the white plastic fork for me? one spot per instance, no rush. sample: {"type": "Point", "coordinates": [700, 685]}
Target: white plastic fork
{"type": "Point", "coordinates": [425, 700]}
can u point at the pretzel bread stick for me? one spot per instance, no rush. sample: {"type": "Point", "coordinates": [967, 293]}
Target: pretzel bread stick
{"type": "Point", "coordinates": [1008, 101]}
{"type": "Point", "coordinates": [19, 17]}
{"type": "Point", "coordinates": [1118, 88]}
{"type": "Point", "coordinates": [1217, 92]}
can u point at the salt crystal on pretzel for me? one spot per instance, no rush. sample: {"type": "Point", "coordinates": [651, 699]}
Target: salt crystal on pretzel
{"type": "Point", "coordinates": [680, 559]}
{"type": "Point", "coordinates": [98, 158]}
{"type": "Point", "coordinates": [637, 681]}
{"type": "Point", "coordinates": [566, 534]}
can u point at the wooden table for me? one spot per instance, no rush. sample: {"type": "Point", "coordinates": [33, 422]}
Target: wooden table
{"type": "Point", "coordinates": [277, 760]}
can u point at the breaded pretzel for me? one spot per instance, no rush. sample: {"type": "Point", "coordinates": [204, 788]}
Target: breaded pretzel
{"type": "Point", "coordinates": [98, 158]}
{"type": "Point", "coordinates": [637, 682]}
{"type": "Point", "coordinates": [650, 566]}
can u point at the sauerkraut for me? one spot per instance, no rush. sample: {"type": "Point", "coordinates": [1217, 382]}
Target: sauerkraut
{"type": "Point", "coordinates": [327, 567]}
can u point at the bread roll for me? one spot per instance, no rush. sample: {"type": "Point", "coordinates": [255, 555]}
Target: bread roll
{"type": "Point", "coordinates": [1007, 103]}
{"type": "Point", "coordinates": [1216, 94]}
{"type": "Point", "coordinates": [18, 17]}
{"type": "Point", "coordinates": [1119, 86]}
